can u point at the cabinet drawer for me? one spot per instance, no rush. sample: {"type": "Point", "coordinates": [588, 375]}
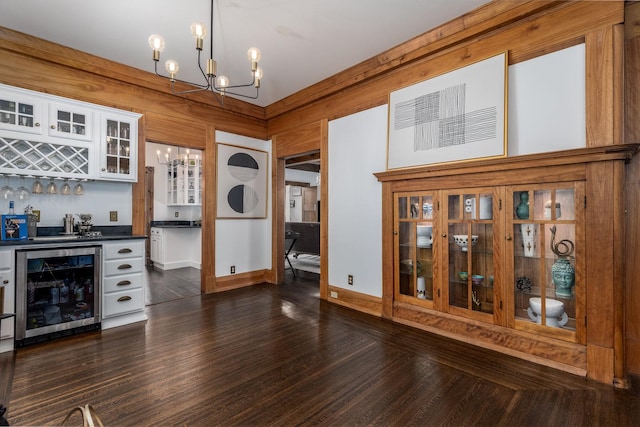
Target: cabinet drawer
{"type": "Point", "coordinates": [122, 266]}
{"type": "Point", "coordinates": [120, 283]}
{"type": "Point", "coordinates": [129, 249]}
{"type": "Point", "coordinates": [6, 259]}
{"type": "Point", "coordinates": [117, 303]}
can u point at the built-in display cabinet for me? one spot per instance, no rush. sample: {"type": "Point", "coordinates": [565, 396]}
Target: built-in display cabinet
{"type": "Point", "coordinates": [184, 181]}
{"type": "Point", "coordinates": [45, 135]}
{"type": "Point", "coordinates": [527, 262]}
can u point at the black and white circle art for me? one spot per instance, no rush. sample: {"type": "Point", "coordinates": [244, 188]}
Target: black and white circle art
{"type": "Point", "coordinates": [243, 198]}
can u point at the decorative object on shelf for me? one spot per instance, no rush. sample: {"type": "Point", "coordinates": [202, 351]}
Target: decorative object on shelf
{"type": "Point", "coordinates": [475, 299]}
{"type": "Point", "coordinates": [424, 237]}
{"type": "Point", "coordinates": [486, 207]}
{"type": "Point", "coordinates": [524, 284]}
{"type": "Point", "coordinates": [547, 210]}
{"type": "Point", "coordinates": [462, 241]}
{"type": "Point", "coordinates": [422, 288]}
{"type": "Point", "coordinates": [242, 182]}
{"type": "Point", "coordinates": [563, 272]}
{"type": "Point", "coordinates": [22, 193]}
{"type": "Point", "coordinates": [427, 210]}
{"type": "Point", "coordinates": [529, 232]}
{"type": "Point", "coordinates": [463, 275]}
{"type": "Point", "coordinates": [522, 210]}
{"type": "Point", "coordinates": [213, 82]}
{"type": "Point", "coordinates": [477, 279]}
{"type": "Point", "coordinates": [427, 120]}
{"type": "Point", "coordinates": [555, 315]}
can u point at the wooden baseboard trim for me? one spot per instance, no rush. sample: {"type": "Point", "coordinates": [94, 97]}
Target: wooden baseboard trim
{"type": "Point", "coordinates": [355, 300]}
{"type": "Point", "coordinates": [241, 280]}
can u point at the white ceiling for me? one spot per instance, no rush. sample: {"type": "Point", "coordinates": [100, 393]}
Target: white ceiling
{"type": "Point", "coordinates": [302, 41]}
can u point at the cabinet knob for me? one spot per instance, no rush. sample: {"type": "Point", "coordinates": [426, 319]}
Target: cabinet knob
{"type": "Point", "coordinates": [53, 127]}
{"type": "Point", "coordinates": [395, 233]}
{"type": "Point", "coordinates": [103, 169]}
{"type": "Point", "coordinates": [509, 237]}
{"type": "Point", "coordinates": [444, 234]}
{"type": "Point", "coordinates": [37, 125]}
{"type": "Point", "coordinates": [5, 281]}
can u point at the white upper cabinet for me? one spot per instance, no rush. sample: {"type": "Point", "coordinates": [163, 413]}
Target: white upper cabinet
{"type": "Point", "coordinates": [81, 141]}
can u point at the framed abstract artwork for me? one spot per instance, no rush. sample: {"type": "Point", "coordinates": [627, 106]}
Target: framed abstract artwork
{"type": "Point", "coordinates": [242, 182]}
{"type": "Point", "coordinates": [456, 116]}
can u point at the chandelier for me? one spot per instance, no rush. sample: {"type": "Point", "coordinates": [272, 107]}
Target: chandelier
{"type": "Point", "coordinates": [212, 81]}
{"type": "Point", "coordinates": [169, 158]}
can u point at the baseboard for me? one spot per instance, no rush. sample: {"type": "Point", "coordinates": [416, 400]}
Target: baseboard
{"type": "Point", "coordinates": [177, 264]}
{"type": "Point", "coordinates": [355, 300]}
{"type": "Point", "coordinates": [241, 280]}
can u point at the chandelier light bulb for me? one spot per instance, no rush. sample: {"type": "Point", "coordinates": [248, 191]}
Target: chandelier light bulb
{"type": "Point", "coordinates": [198, 30]}
{"type": "Point", "coordinates": [156, 42]}
{"type": "Point", "coordinates": [222, 82]}
{"type": "Point", "coordinates": [253, 54]}
{"type": "Point", "coordinates": [172, 67]}
{"type": "Point", "coordinates": [257, 76]}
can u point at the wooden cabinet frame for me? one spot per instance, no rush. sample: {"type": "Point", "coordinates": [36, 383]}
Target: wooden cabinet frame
{"type": "Point", "coordinates": [599, 352]}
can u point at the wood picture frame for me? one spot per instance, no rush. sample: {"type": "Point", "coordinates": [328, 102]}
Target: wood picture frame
{"type": "Point", "coordinates": [242, 182]}
{"type": "Point", "coordinates": [456, 116]}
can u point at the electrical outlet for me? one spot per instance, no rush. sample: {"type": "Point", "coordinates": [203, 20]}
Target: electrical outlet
{"type": "Point", "coordinates": [37, 214]}
{"type": "Point", "coordinates": [350, 279]}
{"type": "Point", "coordinates": [233, 269]}
{"type": "Point", "coordinates": [176, 214]}
{"type": "Point", "coordinates": [333, 294]}
{"type": "Point", "coordinates": [113, 215]}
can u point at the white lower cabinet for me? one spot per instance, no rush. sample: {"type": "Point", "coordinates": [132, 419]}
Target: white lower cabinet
{"type": "Point", "coordinates": [7, 299]}
{"type": "Point", "coordinates": [123, 289]}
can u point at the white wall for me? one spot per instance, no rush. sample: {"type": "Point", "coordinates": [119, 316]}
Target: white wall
{"type": "Point", "coordinates": [294, 214]}
{"type": "Point", "coordinates": [547, 103]}
{"type": "Point", "coordinates": [162, 212]}
{"type": "Point", "coordinates": [357, 149]}
{"type": "Point", "coordinates": [244, 243]}
{"type": "Point", "coordinates": [99, 198]}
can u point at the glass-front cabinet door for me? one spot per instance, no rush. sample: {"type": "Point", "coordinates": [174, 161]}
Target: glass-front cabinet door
{"type": "Point", "coordinates": [118, 148]}
{"type": "Point", "coordinates": [20, 113]}
{"type": "Point", "coordinates": [545, 223]}
{"type": "Point", "coordinates": [471, 263]}
{"type": "Point", "coordinates": [68, 121]}
{"type": "Point", "coordinates": [414, 230]}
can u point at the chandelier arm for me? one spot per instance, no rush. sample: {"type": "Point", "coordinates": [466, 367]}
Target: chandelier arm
{"type": "Point", "coordinates": [236, 86]}
{"type": "Point", "coordinates": [226, 92]}
{"type": "Point", "coordinates": [202, 87]}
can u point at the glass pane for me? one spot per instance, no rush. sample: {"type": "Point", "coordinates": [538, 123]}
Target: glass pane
{"type": "Point", "coordinates": [26, 109]}
{"type": "Point", "coordinates": [25, 121]}
{"type": "Point", "coordinates": [459, 275]}
{"type": "Point", "coordinates": [112, 128]}
{"type": "Point", "coordinates": [427, 207]}
{"type": "Point", "coordinates": [79, 119]}
{"type": "Point", "coordinates": [124, 148]}
{"type": "Point", "coordinates": [454, 207]}
{"type": "Point", "coordinates": [79, 129]}
{"type": "Point", "coordinates": [64, 127]}
{"type": "Point", "coordinates": [8, 118]}
{"type": "Point", "coordinates": [406, 245]}
{"type": "Point", "coordinates": [566, 200]}
{"type": "Point", "coordinates": [402, 207]}
{"type": "Point", "coordinates": [486, 206]}
{"type": "Point", "coordinates": [64, 116]}
{"type": "Point", "coordinates": [7, 105]}
{"type": "Point", "coordinates": [424, 261]}
{"type": "Point", "coordinates": [415, 207]}
{"type": "Point", "coordinates": [521, 205]}
{"type": "Point", "coordinates": [124, 130]}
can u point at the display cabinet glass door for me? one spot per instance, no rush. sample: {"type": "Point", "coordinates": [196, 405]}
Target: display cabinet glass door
{"type": "Point", "coordinates": [415, 228]}
{"type": "Point", "coordinates": [22, 115]}
{"type": "Point", "coordinates": [471, 263]}
{"type": "Point", "coordinates": [547, 252]}
{"type": "Point", "coordinates": [69, 122]}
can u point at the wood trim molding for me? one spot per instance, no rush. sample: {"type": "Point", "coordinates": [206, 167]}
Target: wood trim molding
{"type": "Point", "coordinates": [355, 300]}
{"type": "Point", "coordinates": [241, 280]}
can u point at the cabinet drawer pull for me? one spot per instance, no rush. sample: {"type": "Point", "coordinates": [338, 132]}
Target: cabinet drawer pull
{"type": "Point", "coordinates": [124, 283]}
{"type": "Point", "coordinates": [5, 281]}
{"type": "Point", "coordinates": [124, 298]}
{"type": "Point", "coordinates": [125, 251]}
{"type": "Point", "coordinates": [124, 266]}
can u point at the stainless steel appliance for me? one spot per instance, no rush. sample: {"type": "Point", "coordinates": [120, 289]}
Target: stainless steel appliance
{"type": "Point", "coordinates": [57, 292]}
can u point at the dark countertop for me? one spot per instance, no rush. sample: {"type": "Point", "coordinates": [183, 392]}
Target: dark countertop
{"type": "Point", "coordinates": [65, 240]}
{"type": "Point", "coordinates": [176, 224]}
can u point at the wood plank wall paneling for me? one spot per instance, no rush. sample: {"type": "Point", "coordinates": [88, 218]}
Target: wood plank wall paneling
{"type": "Point", "coordinates": [632, 188]}
{"type": "Point", "coordinates": [564, 25]}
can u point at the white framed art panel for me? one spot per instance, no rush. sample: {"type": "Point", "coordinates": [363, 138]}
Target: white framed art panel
{"type": "Point", "coordinates": [456, 116]}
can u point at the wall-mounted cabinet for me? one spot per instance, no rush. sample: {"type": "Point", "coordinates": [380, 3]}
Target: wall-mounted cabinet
{"type": "Point", "coordinates": [72, 146]}
{"type": "Point", "coordinates": [518, 264]}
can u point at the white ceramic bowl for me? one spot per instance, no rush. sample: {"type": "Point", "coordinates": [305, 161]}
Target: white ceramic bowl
{"type": "Point", "coordinates": [462, 240]}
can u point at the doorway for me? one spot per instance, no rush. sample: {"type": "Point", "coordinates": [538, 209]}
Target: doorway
{"type": "Point", "coordinates": [173, 215]}
{"type": "Point", "coordinates": [302, 214]}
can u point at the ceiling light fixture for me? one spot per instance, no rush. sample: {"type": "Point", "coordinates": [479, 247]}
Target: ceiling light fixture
{"type": "Point", "coordinates": [216, 84]}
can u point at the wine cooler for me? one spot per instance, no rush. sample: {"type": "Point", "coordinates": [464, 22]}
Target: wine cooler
{"type": "Point", "coordinates": [57, 292]}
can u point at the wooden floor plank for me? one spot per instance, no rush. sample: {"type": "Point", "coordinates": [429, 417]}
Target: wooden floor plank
{"type": "Point", "coordinates": [277, 355]}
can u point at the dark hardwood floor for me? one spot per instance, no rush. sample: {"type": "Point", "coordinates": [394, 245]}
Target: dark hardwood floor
{"type": "Point", "coordinates": [277, 355]}
{"type": "Point", "coordinates": [169, 285]}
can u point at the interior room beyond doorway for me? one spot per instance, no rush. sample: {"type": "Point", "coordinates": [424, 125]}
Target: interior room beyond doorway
{"type": "Point", "coordinates": [302, 213]}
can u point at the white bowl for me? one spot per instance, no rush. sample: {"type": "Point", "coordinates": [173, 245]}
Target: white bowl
{"type": "Point", "coordinates": [462, 240]}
